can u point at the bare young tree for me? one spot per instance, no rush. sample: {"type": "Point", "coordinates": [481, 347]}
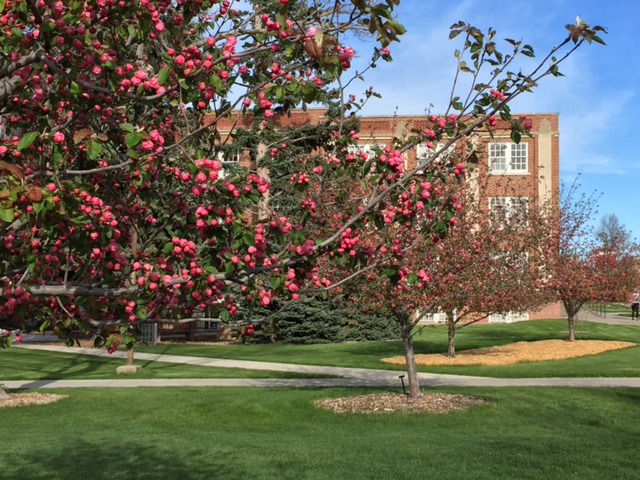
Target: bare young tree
{"type": "Point", "coordinates": [611, 233]}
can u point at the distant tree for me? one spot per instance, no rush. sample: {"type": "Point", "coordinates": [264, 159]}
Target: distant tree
{"type": "Point", "coordinates": [581, 270]}
{"type": "Point", "coordinates": [616, 273]}
{"type": "Point", "coordinates": [616, 259]}
{"type": "Point", "coordinates": [611, 233]}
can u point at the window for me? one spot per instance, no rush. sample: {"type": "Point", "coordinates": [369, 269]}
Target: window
{"type": "Point", "coordinates": [438, 317]}
{"type": "Point", "coordinates": [229, 162]}
{"type": "Point", "coordinates": [423, 152]}
{"type": "Point", "coordinates": [505, 208]}
{"type": "Point", "coordinates": [431, 317]}
{"type": "Point", "coordinates": [508, 317]}
{"type": "Point", "coordinates": [508, 158]}
{"type": "Point", "coordinates": [368, 148]}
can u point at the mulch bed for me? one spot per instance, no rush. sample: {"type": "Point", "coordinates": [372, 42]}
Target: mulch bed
{"type": "Point", "coordinates": [385, 403]}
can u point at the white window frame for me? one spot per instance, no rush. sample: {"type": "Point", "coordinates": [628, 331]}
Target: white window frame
{"type": "Point", "coordinates": [229, 161]}
{"type": "Point", "coordinates": [366, 148]}
{"type": "Point", "coordinates": [508, 158]}
{"type": "Point", "coordinates": [438, 317]}
{"type": "Point", "coordinates": [423, 152]}
{"type": "Point", "coordinates": [508, 204]}
{"type": "Point", "coordinates": [508, 317]}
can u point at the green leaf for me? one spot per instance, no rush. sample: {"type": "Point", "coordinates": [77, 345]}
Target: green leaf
{"type": "Point", "coordinates": [74, 88]}
{"type": "Point", "coordinates": [248, 239]}
{"type": "Point", "coordinates": [3, 3]}
{"type": "Point", "coordinates": [127, 127]}
{"type": "Point", "coordinates": [225, 315]}
{"type": "Point", "coordinates": [94, 149]}
{"type": "Point", "coordinates": [163, 75]}
{"type": "Point", "coordinates": [276, 283]}
{"type": "Point", "coordinates": [390, 272]}
{"type": "Point", "coordinates": [141, 312]}
{"type": "Point", "coordinates": [27, 139]}
{"type": "Point", "coordinates": [6, 215]}
{"type": "Point", "coordinates": [133, 139]}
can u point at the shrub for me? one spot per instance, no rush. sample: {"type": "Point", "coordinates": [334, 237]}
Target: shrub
{"type": "Point", "coordinates": [315, 320]}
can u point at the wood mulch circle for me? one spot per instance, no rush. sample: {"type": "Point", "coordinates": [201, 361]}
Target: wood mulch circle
{"type": "Point", "coordinates": [385, 403]}
{"type": "Point", "coordinates": [24, 399]}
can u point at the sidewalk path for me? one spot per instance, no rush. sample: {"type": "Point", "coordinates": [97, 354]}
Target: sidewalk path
{"type": "Point", "coordinates": [608, 318]}
{"type": "Point", "coordinates": [348, 377]}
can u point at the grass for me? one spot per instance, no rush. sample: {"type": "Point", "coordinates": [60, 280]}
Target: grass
{"type": "Point", "coordinates": [22, 364]}
{"type": "Point", "coordinates": [620, 363]}
{"type": "Point", "coordinates": [253, 434]}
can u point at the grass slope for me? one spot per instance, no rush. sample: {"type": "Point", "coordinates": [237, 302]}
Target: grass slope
{"type": "Point", "coordinates": [253, 434]}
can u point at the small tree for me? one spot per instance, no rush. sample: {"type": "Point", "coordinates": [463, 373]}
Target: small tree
{"type": "Point", "coordinates": [490, 263]}
{"type": "Point", "coordinates": [617, 273]}
{"type": "Point", "coordinates": [575, 279]}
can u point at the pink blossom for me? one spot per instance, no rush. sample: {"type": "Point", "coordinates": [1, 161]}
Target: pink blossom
{"type": "Point", "coordinates": [147, 145]}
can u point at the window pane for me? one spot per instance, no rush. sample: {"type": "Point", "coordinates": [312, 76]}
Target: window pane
{"type": "Point", "coordinates": [519, 157]}
{"type": "Point", "coordinates": [498, 156]}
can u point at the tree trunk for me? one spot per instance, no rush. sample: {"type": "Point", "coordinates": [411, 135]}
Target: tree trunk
{"type": "Point", "coordinates": [572, 309]}
{"type": "Point", "coordinates": [572, 328]}
{"type": "Point", "coordinates": [407, 341]}
{"type": "Point", "coordinates": [451, 335]}
{"type": "Point", "coordinates": [134, 278]}
{"type": "Point", "coordinates": [3, 395]}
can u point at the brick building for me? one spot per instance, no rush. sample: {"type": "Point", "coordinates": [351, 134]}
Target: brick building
{"type": "Point", "coordinates": [524, 173]}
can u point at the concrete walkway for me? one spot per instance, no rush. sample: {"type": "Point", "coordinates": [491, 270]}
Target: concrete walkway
{"type": "Point", "coordinates": [608, 318]}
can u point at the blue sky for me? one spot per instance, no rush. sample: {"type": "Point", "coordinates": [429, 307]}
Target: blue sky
{"type": "Point", "coordinates": [597, 100]}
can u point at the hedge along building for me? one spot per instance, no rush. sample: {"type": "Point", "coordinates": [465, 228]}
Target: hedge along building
{"type": "Point", "coordinates": [524, 173]}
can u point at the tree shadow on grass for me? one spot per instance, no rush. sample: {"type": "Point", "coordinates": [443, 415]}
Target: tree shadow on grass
{"type": "Point", "coordinates": [71, 459]}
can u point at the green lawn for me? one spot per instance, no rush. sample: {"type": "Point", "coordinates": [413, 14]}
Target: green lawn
{"type": "Point", "coordinates": [251, 434]}
{"type": "Point", "coordinates": [22, 364]}
{"type": "Point", "coordinates": [621, 363]}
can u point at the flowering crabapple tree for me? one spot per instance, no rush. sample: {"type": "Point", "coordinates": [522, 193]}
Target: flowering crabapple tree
{"type": "Point", "coordinates": [114, 210]}
{"type": "Point", "coordinates": [617, 273]}
{"type": "Point", "coordinates": [581, 270]}
{"type": "Point", "coordinates": [615, 255]}
{"type": "Point", "coordinates": [492, 262]}
{"type": "Point", "coordinates": [112, 205]}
